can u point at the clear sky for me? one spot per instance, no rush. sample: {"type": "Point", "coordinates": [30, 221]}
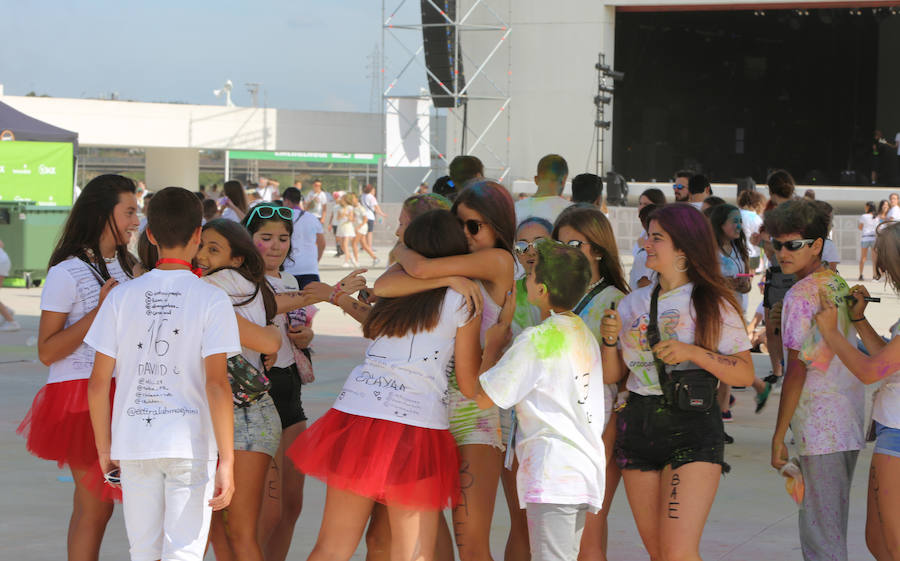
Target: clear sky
{"type": "Point", "coordinates": [306, 54]}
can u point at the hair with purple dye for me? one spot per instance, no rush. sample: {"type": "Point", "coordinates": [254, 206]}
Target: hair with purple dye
{"type": "Point", "coordinates": [691, 233]}
{"type": "Point", "coordinates": [494, 203]}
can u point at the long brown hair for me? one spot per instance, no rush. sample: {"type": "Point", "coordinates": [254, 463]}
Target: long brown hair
{"type": "Point", "coordinates": [89, 218]}
{"type": "Point", "coordinates": [236, 194]}
{"type": "Point", "coordinates": [593, 224]}
{"type": "Point", "coordinates": [494, 203]}
{"type": "Point", "coordinates": [253, 268]}
{"type": "Point", "coordinates": [691, 233]}
{"type": "Point", "coordinates": [435, 233]}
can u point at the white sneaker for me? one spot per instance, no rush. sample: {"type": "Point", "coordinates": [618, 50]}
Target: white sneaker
{"type": "Point", "coordinates": [345, 265]}
{"type": "Point", "coordinates": [375, 261]}
{"type": "Point", "coordinates": [10, 326]}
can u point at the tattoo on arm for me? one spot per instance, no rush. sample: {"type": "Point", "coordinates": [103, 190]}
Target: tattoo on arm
{"type": "Point", "coordinates": [726, 360]}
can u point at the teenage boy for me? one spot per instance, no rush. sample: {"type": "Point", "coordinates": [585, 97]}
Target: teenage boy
{"type": "Point", "coordinates": [821, 400]}
{"type": "Point", "coordinates": [552, 375]}
{"type": "Point", "coordinates": [307, 241]}
{"type": "Point", "coordinates": [167, 336]}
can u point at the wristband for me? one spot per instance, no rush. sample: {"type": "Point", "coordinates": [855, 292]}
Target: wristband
{"type": "Point", "coordinates": [613, 344]}
{"type": "Point", "coordinates": [335, 294]}
{"type": "Point", "coordinates": [856, 320]}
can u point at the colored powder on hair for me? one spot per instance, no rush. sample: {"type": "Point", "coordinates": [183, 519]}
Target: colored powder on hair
{"type": "Point", "coordinates": [548, 340]}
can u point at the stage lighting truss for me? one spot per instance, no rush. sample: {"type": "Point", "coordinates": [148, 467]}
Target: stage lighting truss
{"type": "Point", "coordinates": [606, 78]}
{"type": "Point", "coordinates": [495, 101]}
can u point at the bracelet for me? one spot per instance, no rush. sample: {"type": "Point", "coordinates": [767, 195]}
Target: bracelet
{"type": "Point", "coordinates": [613, 344]}
{"type": "Point", "coordinates": [856, 320]}
{"type": "Point", "coordinates": [335, 294]}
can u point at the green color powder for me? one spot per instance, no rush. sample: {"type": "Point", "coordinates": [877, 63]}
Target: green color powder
{"type": "Point", "coordinates": [548, 341]}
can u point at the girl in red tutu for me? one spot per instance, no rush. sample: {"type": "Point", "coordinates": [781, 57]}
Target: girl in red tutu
{"type": "Point", "coordinates": [90, 258]}
{"type": "Point", "coordinates": [386, 439]}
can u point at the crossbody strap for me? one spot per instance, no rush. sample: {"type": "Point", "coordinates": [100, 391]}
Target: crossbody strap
{"type": "Point", "coordinates": [586, 299]}
{"type": "Point", "coordinates": [653, 335]}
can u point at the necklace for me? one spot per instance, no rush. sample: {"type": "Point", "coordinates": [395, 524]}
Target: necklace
{"type": "Point", "coordinates": [173, 261]}
{"type": "Point", "coordinates": [592, 286]}
{"type": "Point", "coordinates": [90, 253]}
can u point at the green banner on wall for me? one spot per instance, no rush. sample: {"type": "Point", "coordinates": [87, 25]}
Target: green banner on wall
{"type": "Point", "coordinates": [325, 157]}
{"type": "Point", "coordinates": [36, 171]}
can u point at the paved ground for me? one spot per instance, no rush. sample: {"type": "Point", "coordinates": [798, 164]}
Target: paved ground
{"type": "Point", "coordinates": [752, 518]}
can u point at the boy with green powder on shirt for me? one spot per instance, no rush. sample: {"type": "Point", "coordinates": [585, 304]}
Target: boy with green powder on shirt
{"type": "Point", "coordinates": [552, 375]}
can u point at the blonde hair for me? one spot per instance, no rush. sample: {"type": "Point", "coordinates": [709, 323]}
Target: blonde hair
{"type": "Point", "coordinates": [346, 200]}
{"type": "Point", "coordinates": [887, 251]}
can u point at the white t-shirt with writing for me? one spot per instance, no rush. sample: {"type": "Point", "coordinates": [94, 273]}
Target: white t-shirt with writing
{"type": "Point", "coordinates": [676, 320]}
{"type": "Point", "coordinates": [829, 415]}
{"type": "Point", "coordinates": [72, 288]}
{"type": "Point", "coordinates": [547, 208]}
{"type": "Point", "coordinates": [159, 328]}
{"type": "Point", "coordinates": [404, 379]}
{"type": "Point", "coordinates": [304, 257]}
{"type": "Point", "coordinates": [239, 290]}
{"type": "Point", "coordinates": [886, 409]}
{"type": "Point", "coordinates": [553, 376]}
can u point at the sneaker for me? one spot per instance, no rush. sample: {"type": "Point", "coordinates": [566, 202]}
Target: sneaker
{"type": "Point", "coordinates": [772, 379]}
{"type": "Point", "coordinates": [728, 438]}
{"type": "Point", "coordinates": [375, 261]}
{"type": "Point", "coordinates": [345, 265]}
{"type": "Point", "coordinates": [10, 326]}
{"type": "Point", "coordinates": [762, 397]}
{"type": "Point", "coordinates": [726, 416]}
{"type": "Point", "coordinates": [861, 278]}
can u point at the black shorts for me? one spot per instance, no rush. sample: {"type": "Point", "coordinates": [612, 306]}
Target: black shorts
{"type": "Point", "coordinates": [652, 434]}
{"type": "Point", "coordinates": [285, 392]}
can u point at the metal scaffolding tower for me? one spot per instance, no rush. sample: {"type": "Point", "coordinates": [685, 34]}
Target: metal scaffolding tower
{"type": "Point", "coordinates": [486, 93]}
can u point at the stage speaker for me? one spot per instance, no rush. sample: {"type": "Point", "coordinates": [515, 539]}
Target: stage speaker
{"type": "Point", "coordinates": [616, 189]}
{"type": "Point", "coordinates": [439, 41]}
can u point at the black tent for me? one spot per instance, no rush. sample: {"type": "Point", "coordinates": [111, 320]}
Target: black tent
{"type": "Point", "coordinates": [24, 127]}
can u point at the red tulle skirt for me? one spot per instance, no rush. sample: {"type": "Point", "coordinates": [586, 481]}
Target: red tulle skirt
{"type": "Point", "coordinates": [58, 428]}
{"type": "Point", "coordinates": [392, 463]}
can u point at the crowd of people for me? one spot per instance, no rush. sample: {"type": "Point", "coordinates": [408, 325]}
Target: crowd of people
{"type": "Point", "coordinates": [507, 348]}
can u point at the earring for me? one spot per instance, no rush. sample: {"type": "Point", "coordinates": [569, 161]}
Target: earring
{"type": "Point", "coordinates": [684, 266]}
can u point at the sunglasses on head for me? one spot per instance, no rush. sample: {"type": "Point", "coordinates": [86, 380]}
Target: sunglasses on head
{"type": "Point", "coordinates": [473, 226]}
{"type": "Point", "coordinates": [792, 245]}
{"type": "Point", "coordinates": [266, 212]}
{"type": "Point", "coordinates": [522, 246]}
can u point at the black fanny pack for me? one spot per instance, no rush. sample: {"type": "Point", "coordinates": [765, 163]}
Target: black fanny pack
{"type": "Point", "coordinates": [692, 389]}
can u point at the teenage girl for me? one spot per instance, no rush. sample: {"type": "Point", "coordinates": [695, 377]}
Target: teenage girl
{"type": "Point", "coordinates": [530, 231]}
{"type": "Point", "coordinates": [671, 459]}
{"type": "Point", "coordinates": [588, 230]}
{"type": "Point", "coordinates": [228, 259]}
{"type": "Point", "coordinates": [272, 227]}
{"type": "Point", "coordinates": [345, 228]}
{"type": "Point", "coordinates": [386, 437]}
{"type": "Point", "coordinates": [361, 224]}
{"type": "Point", "coordinates": [883, 511]}
{"type": "Point", "coordinates": [486, 214]}
{"type": "Point", "coordinates": [868, 222]}
{"type": "Point", "coordinates": [90, 258]}
{"type": "Point", "coordinates": [734, 258]}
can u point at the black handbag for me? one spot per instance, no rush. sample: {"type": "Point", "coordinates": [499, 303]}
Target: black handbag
{"type": "Point", "coordinates": [692, 389]}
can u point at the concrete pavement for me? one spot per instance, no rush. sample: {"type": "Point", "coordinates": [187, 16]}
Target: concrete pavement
{"type": "Point", "coordinates": [752, 518]}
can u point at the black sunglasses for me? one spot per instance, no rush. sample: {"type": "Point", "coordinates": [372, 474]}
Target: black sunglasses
{"type": "Point", "coordinates": [792, 245]}
{"type": "Point", "coordinates": [473, 226]}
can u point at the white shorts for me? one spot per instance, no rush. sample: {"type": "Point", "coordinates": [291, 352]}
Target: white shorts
{"type": "Point", "coordinates": [166, 507]}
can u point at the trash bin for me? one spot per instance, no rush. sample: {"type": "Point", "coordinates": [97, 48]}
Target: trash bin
{"type": "Point", "coordinates": [29, 233]}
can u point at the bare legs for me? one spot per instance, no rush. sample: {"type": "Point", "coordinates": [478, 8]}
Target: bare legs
{"type": "Point", "coordinates": [883, 508]}
{"type": "Point", "coordinates": [238, 523]}
{"type": "Point", "coordinates": [87, 525]}
{"type": "Point", "coordinates": [517, 545]}
{"type": "Point", "coordinates": [282, 500]}
{"type": "Point", "coordinates": [479, 473]}
{"type": "Point", "coordinates": [595, 538]}
{"type": "Point", "coordinates": [670, 507]}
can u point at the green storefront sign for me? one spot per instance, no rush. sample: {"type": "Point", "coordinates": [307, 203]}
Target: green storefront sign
{"type": "Point", "coordinates": [36, 171]}
{"type": "Point", "coordinates": [324, 157]}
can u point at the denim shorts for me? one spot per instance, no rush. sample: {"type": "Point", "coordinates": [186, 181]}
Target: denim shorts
{"type": "Point", "coordinates": [257, 427]}
{"type": "Point", "coordinates": [867, 243]}
{"type": "Point", "coordinates": [887, 440]}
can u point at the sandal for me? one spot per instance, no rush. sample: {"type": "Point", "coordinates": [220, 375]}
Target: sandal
{"type": "Point", "coordinates": [762, 397]}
